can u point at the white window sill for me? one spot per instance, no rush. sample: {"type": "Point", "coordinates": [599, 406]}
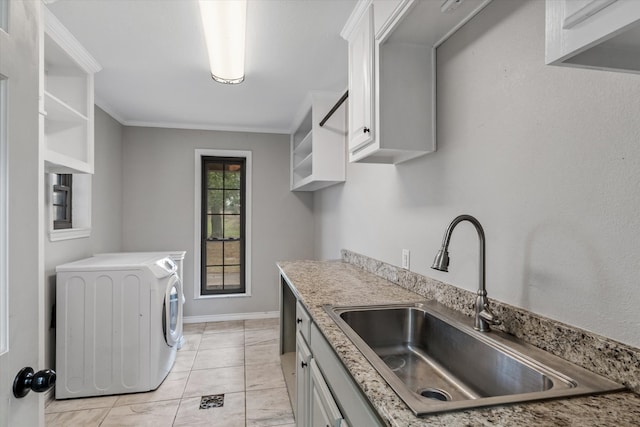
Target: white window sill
{"type": "Point", "coordinates": [69, 233]}
{"type": "Point", "coordinates": [247, 294]}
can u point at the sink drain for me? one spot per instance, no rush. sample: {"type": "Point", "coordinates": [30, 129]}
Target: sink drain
{"type": "Point", "coordinates": [434, 394]}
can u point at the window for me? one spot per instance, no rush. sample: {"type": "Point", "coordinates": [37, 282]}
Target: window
{"type": "Point", "coordinates": [69, 203]}
{"type": "Point", "coordinates": [62, 201]}
{"type": "Point", "coordinates": [223, 224]}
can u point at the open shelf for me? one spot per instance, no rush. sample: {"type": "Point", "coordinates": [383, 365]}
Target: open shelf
{"type": "Point", "coordinates": [67, 100]}
{"type": "Point", "coordinates": [317, 153]}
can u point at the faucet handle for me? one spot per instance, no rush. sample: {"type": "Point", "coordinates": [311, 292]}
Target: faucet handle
{"type": "Point", "coordinates": [488, 315]}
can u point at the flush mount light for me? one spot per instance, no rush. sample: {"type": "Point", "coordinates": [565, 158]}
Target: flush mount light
{"type": "Point", "coordinates": [224, 23]}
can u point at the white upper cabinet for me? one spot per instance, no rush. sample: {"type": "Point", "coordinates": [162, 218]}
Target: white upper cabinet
{"type": "Point", "coordinates": [394, 121]}
{"type": "Point", "coordinates": [599, 34]}
{"type": "Point", "coordinates": [383, 13]}
{"type": "Point", "coordinates": [66, 100]}
{"type": "Point", "coordinates": [318, 152]}
{"type": "Point", "coordinates": [361, 108]}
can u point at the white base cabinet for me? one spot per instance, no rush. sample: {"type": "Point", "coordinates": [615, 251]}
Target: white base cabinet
{"type": "Point", "coordinates": [323, 393]}
{"type": "Point", "coordinates": [597, 34]}
{"type": "Point", "coordinates": [303, 381]}
{"type": "Point", "coordinates": [323, 411]}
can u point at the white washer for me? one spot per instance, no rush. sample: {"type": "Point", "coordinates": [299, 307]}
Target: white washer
{"type": "Point", "coordinates": [118, 321]}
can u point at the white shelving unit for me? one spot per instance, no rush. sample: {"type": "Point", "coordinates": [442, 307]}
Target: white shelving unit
{"type": "Point", "coordinates": [318, 153]}
{"type": "Point", "coordinates": [67, 72]}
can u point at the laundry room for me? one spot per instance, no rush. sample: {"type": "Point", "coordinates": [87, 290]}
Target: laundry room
{"type": "Point", "coordinates": [240, 241]}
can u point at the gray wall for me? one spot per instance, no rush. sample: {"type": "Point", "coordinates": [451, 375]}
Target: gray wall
{"type": "Point", "coordinates": [547, 158]}
{"type": "Point", "coordinates": [158, 170]}
{"type": "Point", "coordinates": [106, 215]}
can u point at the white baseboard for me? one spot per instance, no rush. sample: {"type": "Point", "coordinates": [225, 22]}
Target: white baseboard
{"type": "Point", "coordinates": [232, 316]}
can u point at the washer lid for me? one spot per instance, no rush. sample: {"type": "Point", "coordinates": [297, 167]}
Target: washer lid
{"type": "Point", "coordinates": [115, 261]}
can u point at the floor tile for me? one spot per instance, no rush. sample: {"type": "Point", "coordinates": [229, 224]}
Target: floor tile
{"type": "Point", "coordinates": [80, 404]}
{"type": "Point", "coordinates": [262, 354]}
{"type": "Point", "coordinates": [171, 388]}
{"type": "Point", "coordinates": [251, 324]}
{"type": "Point", "coordinates": [84, 418]}
{"type": "Point", "coordinates": [231, 414]}
{"type": "Point", "coordinates": [191, 342]}
{"type": "Point", "coordinates": [226, 326]}
{"type": "Point", "coordinates": [219, 358]}
{"type": "Point", "coordinates": [265, 376]}
{"type": "Point", "coordinates": [184, 361]}
{"type": "Point", "coordinates": [261, 336]}
{"type": "Point", "coordinates": [222, 340]}
{"type": "Point", "coordinates": [215, 381]}
{"type": "Point", "coordinates": [268, 408]}
{"type": "Point", "coordinates": [155, 414]}
{"type": "Point", "coordinates": [193, 328]}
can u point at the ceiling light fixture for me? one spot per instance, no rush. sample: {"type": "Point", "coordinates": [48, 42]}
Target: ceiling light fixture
{"type": "Point", "coordinates": [224, 23]}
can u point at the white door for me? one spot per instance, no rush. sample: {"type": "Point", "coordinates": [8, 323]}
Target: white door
{"type": "Point", "coordinates": [21, 211]}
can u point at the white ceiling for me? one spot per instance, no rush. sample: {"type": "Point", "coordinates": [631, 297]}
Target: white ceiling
{"type": "Point", "coordinates": [155, 66]}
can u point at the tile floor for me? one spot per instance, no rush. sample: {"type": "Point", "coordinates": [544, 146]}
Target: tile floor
{"type": "Point", "coordinates": [237, 358]}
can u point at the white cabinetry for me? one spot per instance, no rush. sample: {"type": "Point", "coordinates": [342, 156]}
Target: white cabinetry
{"type": "Point", "coordinates": [599, 34]}
{"type": "Point", "coordinates": [323, 410]}
{"type": "Point", "coordinates": [66, 103]}
{"type": "Point", "coordinates": [361, 107]}
{"type": "Point", "coordinates": [402, 100]}
{"type": "Point", "coordinates": [322, 391]}
{"type": "Point", "coordinates": [303, 381]}
{"type": "Point", "coordinates": [318, 152]}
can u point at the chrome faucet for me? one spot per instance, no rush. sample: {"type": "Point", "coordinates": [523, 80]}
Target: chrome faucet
{"type": "Point", "coordinates": [484, 316]}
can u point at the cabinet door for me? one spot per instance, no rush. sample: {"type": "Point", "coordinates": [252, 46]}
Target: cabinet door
{"type": "Point", "coordinates": [303, 358]}
{"type": "Point", "coordinates": [361, 111]}
{"type": "Point", "coordinates": [323, 409]}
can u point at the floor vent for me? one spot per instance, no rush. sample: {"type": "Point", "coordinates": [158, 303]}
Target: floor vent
{"type": "Point", "coordinates": [212, 401]}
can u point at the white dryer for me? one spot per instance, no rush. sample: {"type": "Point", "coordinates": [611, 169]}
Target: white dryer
{"type": "Point", "coordinates": [118, 321]}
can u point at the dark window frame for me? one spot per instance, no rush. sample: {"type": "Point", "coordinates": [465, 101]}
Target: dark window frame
{"type": "Point", "coordinates": [204, 217]}
{"type": "Point", "coordinates": [63, 184]}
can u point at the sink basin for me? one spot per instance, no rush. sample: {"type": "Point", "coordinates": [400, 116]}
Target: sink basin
{"type": "Point", "coordinates": [435, 361]}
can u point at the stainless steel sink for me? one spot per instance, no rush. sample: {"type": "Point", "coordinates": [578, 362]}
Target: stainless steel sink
{"type": "Point", "coordinates": [436, 362]}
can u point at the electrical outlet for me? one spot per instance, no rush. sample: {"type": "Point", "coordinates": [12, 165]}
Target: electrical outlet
{"type": "Point", "coordinates": [405, 258]}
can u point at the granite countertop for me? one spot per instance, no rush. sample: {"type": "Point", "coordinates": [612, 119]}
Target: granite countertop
{"type": "Point", "coordinates": [333, 282]}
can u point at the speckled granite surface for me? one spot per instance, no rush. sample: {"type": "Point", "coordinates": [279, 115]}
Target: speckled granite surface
{"type": "Point", "coordinates": [607, 357]}
{"type": "Point", "coordinates": [341, 283]}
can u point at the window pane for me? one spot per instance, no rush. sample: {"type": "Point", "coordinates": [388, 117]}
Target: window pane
{"type": "Point", "coordinates": [215, 175]}
{"type": "Point", "coordinates": [232, 252]}
{"type": "Point", "coordinates": [232, 277]}
{"type": "Point", "coordinates": [232, 226]}
{"type": "Point", "coordinates": [214, 278]}
{"type": "Point", "coordinates": [232, 202]}
{"type": "Point", "coordinates": [215, 201]}
{"type": "Point", "coordinates": [59, 198]}
{"type": "Point", "coordinates": [60, 213]}
{"type": "Point", "coordinates": [214, 227]}
{"type": "Point", "coordinates": [214, 253]}
{"type": "Point", "coordinates": [232, 176]}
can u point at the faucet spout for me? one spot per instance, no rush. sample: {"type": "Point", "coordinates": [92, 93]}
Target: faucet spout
{"type": "Point", "coordinates": [484, 316]}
